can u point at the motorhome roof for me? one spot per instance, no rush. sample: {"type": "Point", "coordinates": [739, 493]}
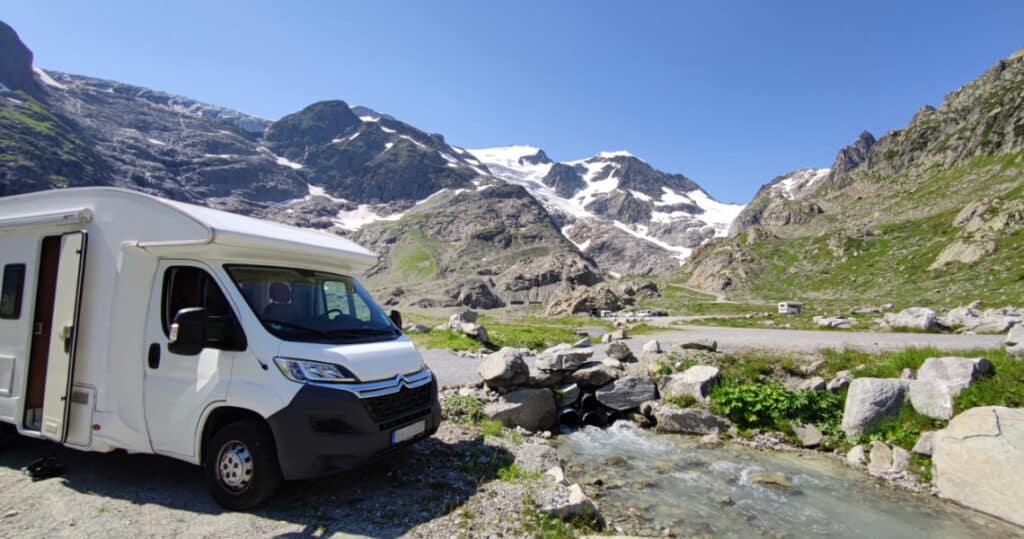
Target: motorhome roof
{"type": "Point", "coordinates": [227, 230]}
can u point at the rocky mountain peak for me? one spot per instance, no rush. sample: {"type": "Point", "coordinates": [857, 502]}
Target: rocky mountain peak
{"type": "Point", "coordinates": [852, 156]}
{"type": "Point", "coordinates": [16, 63]}
{"type": "Point", "coordinates": [316, 124]}
{"type": "Point", "coordinates": [539, 158]}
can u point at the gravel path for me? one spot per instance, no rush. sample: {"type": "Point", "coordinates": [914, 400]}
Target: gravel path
{"type": "Point", "coordinates": [452, 370]}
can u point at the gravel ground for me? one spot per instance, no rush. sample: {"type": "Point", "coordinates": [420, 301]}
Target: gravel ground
{"type": "Point", "coordinates": [121, 495]}
{"type": "Point", "coordinates": [452, 370]}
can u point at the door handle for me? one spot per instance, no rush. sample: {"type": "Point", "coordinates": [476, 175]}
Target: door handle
{"type": "Point", "coordinates": [154, 356]}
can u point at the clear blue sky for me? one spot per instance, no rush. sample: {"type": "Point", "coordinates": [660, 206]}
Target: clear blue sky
{"type": "Point", "coordinates": [729, 93]}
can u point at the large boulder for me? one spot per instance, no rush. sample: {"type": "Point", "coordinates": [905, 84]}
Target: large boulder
{"type": "Point", "coordinates": [532, 409]}
{"type": "Point", "coordinates": [584, 299]}
{"type": "Point", "coordinates": [504, 369]}
{"type": "Point", "coordinates": [919, 318]}
{"type": "Point", "coordinates": [595, 374]}
{"type": "Point", "coordinates": [695, 382]}
{"type": "Point", "coordinates": [619, 351]}
{"type": "Point", "coordinates": [1015, 341]}
{"type": "Point", "coordinates": [627, 393]}
{"type": "Point", "coordinates": [671, 418]}
{"type": "Point", "coordinates": [869, 400]}
{"type": "Point", "coordinates": [974, 320]}
{"type": "Point", "coordinates": [940, 379]}
{"type": "Point", "coordinates": [463, 317]}
{"type": "Point", "coordinates": [563, 358]}
{"type": "Point", "coordinates": [978, 458]}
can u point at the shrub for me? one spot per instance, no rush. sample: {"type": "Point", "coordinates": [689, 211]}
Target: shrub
{"type": "Point", "coordinates": [774, 407]}
{"type": "Point", "coordinates": [464, 408]}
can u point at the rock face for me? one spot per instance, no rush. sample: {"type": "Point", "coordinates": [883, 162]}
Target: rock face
{"type": "Point", "coordinates": [504, 369]}
{"type": "Point", "coordinates": [627, 393]}
{"type": "Point", "coordinates": [941, 379]}
{"type": "Point", "coordinates": [16, 63]}
{"type": "Point", "coordinates": [696, 382]}
{"type": "Point", "coordinates": [671, 418]}
{"type": "Point", "coordinates": [919, 318]}
{"type": "Point", "coordinates": [1015, 341]}
{"type": "Point", "coordinates": [583, 300]}
{"type": "Point", "coordinates": [532, 409]}
{"type": "Point", "coordinates": [869, 400]}
{"type": "Point", "coordinates": [978, 460]}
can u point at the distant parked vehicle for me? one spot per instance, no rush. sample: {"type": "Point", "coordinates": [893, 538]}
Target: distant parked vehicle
{"type": "Point", "coordinates": [791, 307]}
{"type": "Point", "coordinates": [608, 314]}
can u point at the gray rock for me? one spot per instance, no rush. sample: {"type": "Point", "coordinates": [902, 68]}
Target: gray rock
{"type": "Point", "coordinates": [870, 400]}
{"type": "Point", "coordinates": [563, 358]}
{"type": "Point", "coordinates": [941, 379]}
{"type": "Point", "coordinates": [775, 481]}
{"type": "Point", "coordinates": [924, 444]}
{"type": "Point", "coordinates": [532, 409]}
{"type": "Point", "coordinates": [919, 318]}
{"type": "Point", "coordinates": [696, 381]}
{"type": "Point", "coordinates": [567, 503]}
{"type": "Point", "coordinates": [812, 367]}
{"type": "Point", "coordinates": [627, 393]}
{"type": "Point", "coordinates": [463, 317]}
{"type": "Point", "coordinates": [595, 374]}
{"type": "Point", "coordinates": [619, 335]}
{"type": "Point", "coordinates": [619, 351]}
{"type": "Point", "coordinates": [542, 378]}
{"type": "Point", "coordinates": [535, 456]}
{"type": "Point", "coordinates": [834, 322]}
{"type": "Point", "coordinates": [900, 460]}
{"type": "Point", "coordinates": [840, 382]}
{"type": "Point", "coordinates": [583, 343]}
{"type": "Point", "coordinates": [671, 418]}
{"type": "Point", "coordinates": [700, 344]}
{"type": "Point", "coordinates": [814, 383]}
{"type": "Point", "coordinates": [809, 435]}
{"type": "Point", "coordinates": [1015, 341]}
{"type": "Point", "coordinates": [504, 369]}
{"type": "Point", "coordinates": [908, 374]}
{"type": "Point", "coordinates": [856, 457]}
{"type": "Point", "coordinates": [880, 462]}
{"type": "Point", "coordinates": [567, 394]}
{"type": "Point", "coordinates": [556, 475]}
{"type": "Point", "coordinates": [417, 328]}
{"type": "Point", "coordinates": [978, 458]}
{"type": "Point", "coordinates": [606, 338]}
{"type": "Point", "coordinates": [652, 347]}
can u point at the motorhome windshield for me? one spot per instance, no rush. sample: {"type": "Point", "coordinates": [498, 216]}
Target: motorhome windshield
{"type": "Point", "coordinates": [312, 306]}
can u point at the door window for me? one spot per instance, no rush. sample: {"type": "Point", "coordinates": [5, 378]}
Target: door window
{"type": "Point", "coordinates": [188, 286]}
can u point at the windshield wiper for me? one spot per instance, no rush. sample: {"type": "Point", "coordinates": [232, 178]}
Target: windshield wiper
{"type": "Point", "coordinates": [299, 327]}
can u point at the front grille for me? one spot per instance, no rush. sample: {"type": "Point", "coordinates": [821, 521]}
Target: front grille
{"type": "Point", "coordinates": [398, 406]}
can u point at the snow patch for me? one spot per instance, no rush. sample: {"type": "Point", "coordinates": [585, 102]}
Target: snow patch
{"type": "Point", "coordinates": [798, 181]}
{"type": "Point", "coordinates": [47, 79]}
{"type": "Point", "coordinates": [387, 130]}
{"type": "Point", "coordinates": [619, 153]}
{"type": "Point", "coordinates": [369, 119]}
{"type": "Point", "coordinates": [155, 141]}
{"type": "Point", "coordinates": [281, 160]}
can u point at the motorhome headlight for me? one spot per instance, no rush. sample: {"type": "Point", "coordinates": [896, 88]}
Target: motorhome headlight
{"type": "Point", "coordinates": [301, 370]}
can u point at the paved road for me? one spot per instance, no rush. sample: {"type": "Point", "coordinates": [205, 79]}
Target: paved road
{"type": "Point", "coordinates": [452, 370]}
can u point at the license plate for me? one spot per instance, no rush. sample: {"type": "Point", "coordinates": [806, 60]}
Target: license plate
{"type": "Point", "coordinates": [408, 432]}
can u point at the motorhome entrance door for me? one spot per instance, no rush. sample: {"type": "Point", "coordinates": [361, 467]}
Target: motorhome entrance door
{"type": "Point", "coordinates": [63, 333]}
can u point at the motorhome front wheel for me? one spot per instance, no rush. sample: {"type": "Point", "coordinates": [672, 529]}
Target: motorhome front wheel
{"type": "Point", "coordinates": [241, 465]}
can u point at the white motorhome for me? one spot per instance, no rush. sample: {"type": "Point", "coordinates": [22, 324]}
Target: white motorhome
{"type": "Point", "coordinates": [137, 323]}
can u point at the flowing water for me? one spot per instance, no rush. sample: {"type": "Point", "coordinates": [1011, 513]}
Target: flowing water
{"type": "Point", "coordinates": [657, 481]}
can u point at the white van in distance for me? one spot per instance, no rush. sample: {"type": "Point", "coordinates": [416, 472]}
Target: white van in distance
{"type": "Point", "coordinates": [137, 323]}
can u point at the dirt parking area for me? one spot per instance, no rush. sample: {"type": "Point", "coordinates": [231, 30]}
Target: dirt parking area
{"type": "Point", "coordinates": [122, 495]}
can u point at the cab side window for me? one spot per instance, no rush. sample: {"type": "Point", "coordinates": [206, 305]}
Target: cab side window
{"type": "Point", "coordinates": [187, 286]}
{"type": "Point", "coordinates": [10, 299]}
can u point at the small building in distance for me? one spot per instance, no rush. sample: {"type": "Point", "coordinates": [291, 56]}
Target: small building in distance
{"type": "Point", "coordinates": [790, 307]}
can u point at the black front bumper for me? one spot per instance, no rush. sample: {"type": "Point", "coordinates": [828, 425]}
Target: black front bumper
{"type": "Point", "coordinates": [325, 430]}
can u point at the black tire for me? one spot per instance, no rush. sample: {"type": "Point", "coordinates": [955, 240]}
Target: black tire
{"type": "Point", "coordinates": [8, 435]}
{"type": "Point", "coordinates": [241, 466]}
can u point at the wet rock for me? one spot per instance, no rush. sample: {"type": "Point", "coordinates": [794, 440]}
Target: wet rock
{"type": "Point", "coordinates": [504, 369]}
{"type": "Point", "coordinates": [710, 440]}
{"type": "Point", "coordinates": [619, 351]}
{"type": "Point", "coordinates": [978, 458]}
{"type": "Point", "coordinates": [774, 481]}
{"type": "Point", "coordinates": [627, 393]}
{"type": "Point", "coordinates": [615, 461]}
{"type": "Point", "coordinates": [671, 418]}
{"type": "Point", "coordinates": [941, 379]}
{"type": "Point", "coordinates": [700, 344]}
{"type": "Point", "coordinates": [870, 400]}
{"type": "Point", "coordinates": [857, 457]}
{"type": "Point", "coordinates": [532, 408]}
{"type": "Point", "coordinates": [919, 318]}
{"type": "Point", "coordinates": [696, 382]}
{"type": "Point", "coordinates": [652, 347]}
{"type": "Point", "coordinates": [809, 435]}
{"type": "Point", "coordinates": [924, 444]}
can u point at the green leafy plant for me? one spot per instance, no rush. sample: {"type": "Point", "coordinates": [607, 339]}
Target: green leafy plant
{"type": "Point", "coordinates": [464, 409]}
{"type": "Point", "coordinates": [774, 407]}
{"type": "Point", "coordinates": [491, 427]}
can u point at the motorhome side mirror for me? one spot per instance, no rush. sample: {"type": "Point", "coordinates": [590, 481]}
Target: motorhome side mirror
{"type": "Point", "coordinates": [396, 317]}
{"type": "Point", "coordinates": [188, 332]}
